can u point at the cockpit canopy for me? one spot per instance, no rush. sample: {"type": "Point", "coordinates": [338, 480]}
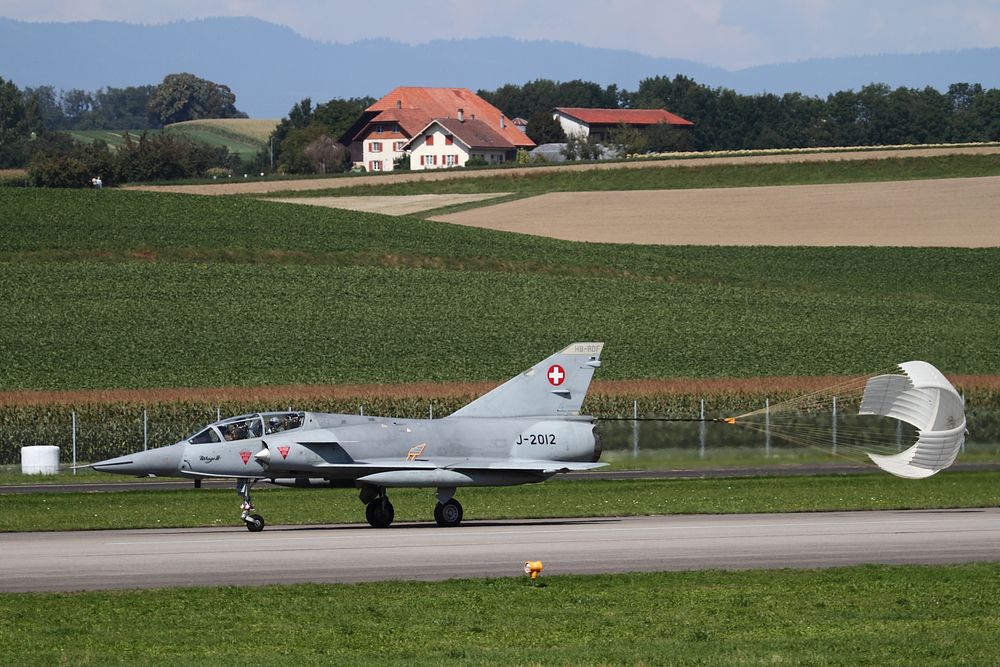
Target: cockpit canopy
{"type": "Point", "coordinates": [245, 427]}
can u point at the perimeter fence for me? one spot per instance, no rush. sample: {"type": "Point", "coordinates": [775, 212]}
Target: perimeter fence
{"type": "Point", "coordinates": [628, 427]}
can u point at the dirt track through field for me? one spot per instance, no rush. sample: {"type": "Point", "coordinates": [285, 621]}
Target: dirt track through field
{"type": "Point", "coordinates": [391, 205]}
{"type": "Point", "coordinates": [959, 212]}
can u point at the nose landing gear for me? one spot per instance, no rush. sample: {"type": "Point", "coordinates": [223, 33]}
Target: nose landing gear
{"type": "Point", "coordinates": [254, 522]}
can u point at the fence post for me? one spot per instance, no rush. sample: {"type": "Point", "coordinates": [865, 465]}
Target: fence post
{"type": "Point", "coordinates": [145, 429]}
{"type": "Point", "coordinates": [899, 436]}
{"type": "Point", "coordinates": [767, 427]}
{"type": "Point", "coordinates": [701, 431]}
{"type": "Point", "coordinates": [74, 442]}
{"type": "Point", "coordinates": [635, 429]}
{"type": "Point", "coordinates": [361, 409]}
{"type": "Point", "coordinates": [430, 410]}
{"type": "Point", "coordinates": [834, 424]}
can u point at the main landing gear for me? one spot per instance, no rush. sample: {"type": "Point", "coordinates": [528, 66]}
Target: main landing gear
{"type": "Point", "coordinates": [379, 511]}
{"type": "Point", "coordinates": [254, 522]}
{"type": "Point", "coordinates": [448, 511]}
{"type": "Point", "coordinates": [448, 514]}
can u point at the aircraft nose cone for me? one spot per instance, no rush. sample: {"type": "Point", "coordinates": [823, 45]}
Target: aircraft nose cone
{"type": "Point", "coordinates": [161, 461]}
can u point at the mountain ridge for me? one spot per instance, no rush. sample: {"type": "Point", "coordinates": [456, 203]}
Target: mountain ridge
{"type": "Point", "coordinates": [271, 67]}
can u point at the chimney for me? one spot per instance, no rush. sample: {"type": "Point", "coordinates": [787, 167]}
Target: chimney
{"type": "Point", "coordinates": [503, 122]}
{"type": "Point", "coordinates": [461, 115]}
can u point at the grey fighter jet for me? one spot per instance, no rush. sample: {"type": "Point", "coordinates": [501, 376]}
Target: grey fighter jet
{"type": "Point", "coordinates": [524, 431]}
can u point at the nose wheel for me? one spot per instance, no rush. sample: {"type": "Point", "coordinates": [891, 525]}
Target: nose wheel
{"type": "Point", "coordinates": [254, 522]}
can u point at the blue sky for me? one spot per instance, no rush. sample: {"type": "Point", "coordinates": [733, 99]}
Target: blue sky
{"type": "Point", "coordinates": [728, 33]}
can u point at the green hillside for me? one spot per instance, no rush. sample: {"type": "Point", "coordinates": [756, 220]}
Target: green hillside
{"type": "Point", "coordinates": [133, 289]}
{"type": "Point", "coordinates": [242, 136]}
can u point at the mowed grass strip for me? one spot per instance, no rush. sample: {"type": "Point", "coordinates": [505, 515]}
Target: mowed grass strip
{"type": "Point", "coordinates": [867, 615]}
{"type": "Point", "coordinates": [544, 180]}
{"type": "Point", "coordinates": [556, 498]}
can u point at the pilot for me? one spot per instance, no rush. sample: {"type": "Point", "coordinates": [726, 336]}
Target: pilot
{"type": "Point", "coordinates": [273, 425]}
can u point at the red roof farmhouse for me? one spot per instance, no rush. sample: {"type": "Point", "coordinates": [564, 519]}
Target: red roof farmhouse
{"type": "Point", "coordinates": [598, 123]}
{"type": "Point", "coordinates": [466, 126]}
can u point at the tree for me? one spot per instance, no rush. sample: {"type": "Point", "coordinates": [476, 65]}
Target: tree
{"type": "Point", "coordinates": [581, 147]}
{"type": "Point", "coordinates": [20, 122]}
{"type": "Point", "coordinates": [163, 157]}
{"type": "Point", "coordinates": [544, 129]}
{"type": "Point", "coordinates": [77, 106]}
{"type": "Point", "coordinates": [665, 138]}
{"type": "Point", "coordinates": [628, 140]}
{"type": "Point", "coordinates": [326, 154]}
{"type": "Point", "coordinates": [184, 96]}
{"type": "Point", "coordinates": [304, 125]}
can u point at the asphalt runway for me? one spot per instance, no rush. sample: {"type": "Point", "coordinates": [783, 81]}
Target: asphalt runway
{"type": "Point", "coordinates": [90, 560]}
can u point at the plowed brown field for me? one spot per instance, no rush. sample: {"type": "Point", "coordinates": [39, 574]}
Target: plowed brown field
{"type": "Point", "coordinates": [958, 212]}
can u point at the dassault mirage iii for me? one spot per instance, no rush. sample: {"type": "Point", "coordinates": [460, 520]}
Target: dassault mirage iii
{"type": "Point", "coordinates": [524, 431]}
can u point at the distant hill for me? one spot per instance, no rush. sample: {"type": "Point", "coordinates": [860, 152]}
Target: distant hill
{"type": "Point", "coordinates": [270, 67]}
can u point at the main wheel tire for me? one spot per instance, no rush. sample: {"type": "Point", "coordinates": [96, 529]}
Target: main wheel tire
{"type": "Point", "coordinates": [449, 514]}
{"type": "Point", "coordinates": [255, 523]}
{"type": "Point", "coordinates": [379, 513]}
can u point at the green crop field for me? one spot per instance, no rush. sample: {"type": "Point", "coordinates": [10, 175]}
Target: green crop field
{"type": "Point", "coordinates": [132, 289]}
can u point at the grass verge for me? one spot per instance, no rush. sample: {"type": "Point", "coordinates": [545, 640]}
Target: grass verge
{"type": "Point", "coordinates": [869, 615]}
{"type": "Point", "coordinates": [558, 498]}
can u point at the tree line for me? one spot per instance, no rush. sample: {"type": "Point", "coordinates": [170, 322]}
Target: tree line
{"type": "Point", "coordinates": [306, 140]}
{"type": "Point", "coordinates": [179, 97]}
{"type": "Point", "coordinates": [723, 119]}
{"type": "Point", "coordinates": [726, 120]}
{"type": "Point", "coordinates": [33, 125]}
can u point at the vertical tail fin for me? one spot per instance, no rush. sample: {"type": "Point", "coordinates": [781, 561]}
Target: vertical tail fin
{"type": "Point", "coordinates": [554, 386]}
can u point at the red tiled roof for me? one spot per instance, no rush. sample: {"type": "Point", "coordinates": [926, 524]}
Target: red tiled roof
{"type": "Point", "coordinates": [474, 133]}
{"type": "Point", "coordinates": [444, 103]}
{"type": "Point", "coordinates": [410, 121]}
{"type": "Point", "coordinates": [626, 116]}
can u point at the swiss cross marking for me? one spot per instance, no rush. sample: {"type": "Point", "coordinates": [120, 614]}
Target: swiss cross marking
{"type": "Point", "coordinates": [556, 375]}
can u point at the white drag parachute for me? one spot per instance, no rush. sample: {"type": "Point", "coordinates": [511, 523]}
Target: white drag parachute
{"type": "Point", "coordinates": [923, 397]}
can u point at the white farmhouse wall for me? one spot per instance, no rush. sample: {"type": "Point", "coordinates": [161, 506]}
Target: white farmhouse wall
{"type": "Point", "coordinates": [381, 160]}
{"type": "Point", "coordinates": [438, 154]}
{"type": "Point", "coordinates": [572, 126]}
